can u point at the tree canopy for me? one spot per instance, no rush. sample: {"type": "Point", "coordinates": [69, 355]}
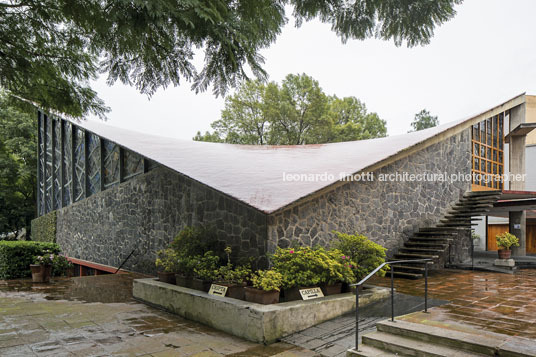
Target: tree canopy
{"type": "Point", "coordinates": [18, 162]}
{"type": "Point", "coordinates": [51, 49]}
{"type": "Point", "coordinates": [293, 113]}
{"type": "Point", "coordinates": [424, 120]}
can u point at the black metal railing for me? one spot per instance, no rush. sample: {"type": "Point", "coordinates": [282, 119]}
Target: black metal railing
{"type": "Point", "coordinates": [359, 284]}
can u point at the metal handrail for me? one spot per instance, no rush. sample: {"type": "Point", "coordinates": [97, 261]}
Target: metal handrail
{"type": "Point", "coordinates": [357, 285]}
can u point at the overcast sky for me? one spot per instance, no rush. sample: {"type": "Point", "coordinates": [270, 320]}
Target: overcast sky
{"type": "Point", "coordinates": [485, 55]}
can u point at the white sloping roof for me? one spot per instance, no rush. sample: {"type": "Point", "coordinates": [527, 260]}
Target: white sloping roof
{"type": "Point", "coordinates": [255, 174]}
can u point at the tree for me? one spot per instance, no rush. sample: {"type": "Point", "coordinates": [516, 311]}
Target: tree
{"type": "Point", "coordinates": [293, 113]}
{"type": "Point", "coordinates": [424, 120]}
{"type": "Point", "coordinates": [51, 49]}
{"type": "Point", "coordinates": [18, 162]}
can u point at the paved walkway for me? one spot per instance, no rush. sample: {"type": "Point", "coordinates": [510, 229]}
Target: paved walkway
{"type": "Point", "coordinates": [96, 316]}
{"type": "Point", "coordinates": [495, 302]}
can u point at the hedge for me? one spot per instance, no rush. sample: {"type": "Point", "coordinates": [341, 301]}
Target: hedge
{"type": "Point", "coordinates": [16, 257]}
{"type": "Point", "coordinates": [44, 228]}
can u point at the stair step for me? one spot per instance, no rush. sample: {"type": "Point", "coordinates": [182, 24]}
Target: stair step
{"type": "Point", "coordinates": [403, 256]}
{"type": "Point", "coordinates": [369, 351]}
{"type": "Point", "coordinates": [437, 229]}
{"type": "Point", "coordinates": [420, 250]}
{"type": "Point", "coordinates": [404, 268]}
{"type": "Point", "coordinates": [430, 240]}
{"type": "Point", "coordinates": [478, 344]}
{"type": "Point", "coordinates": [411, 347]}
{"type": "Point", "coordinates": [434, 234]}
{"type": "Point", "coordinates": [426, 244]}
{"type": "Point", "coordinates": [407, 275]}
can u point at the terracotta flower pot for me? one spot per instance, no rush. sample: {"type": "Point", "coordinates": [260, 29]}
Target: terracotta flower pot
{"type": "Point", "coordinates": [166, 277]}
{"type": "Point", "coordinates": [41, 273]}
{"type": "Point", "coordinates": [202, 285]}
{"type": "Point", "coordinates": [293, 293]}
{"type": "Point", "coordinates": [234, 290]}
{"type": "Point", "coordinates": [504, 253]}
{"type": "Point", "coordinates": [331, 289]}
{"type": "Point", "coordinates": [185, 281]}
{"type": "Point", "coordinates": [260, 296]}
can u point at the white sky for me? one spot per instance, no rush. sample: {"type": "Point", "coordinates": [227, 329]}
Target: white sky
{"type": "Point", "coordinates": [485, 55]}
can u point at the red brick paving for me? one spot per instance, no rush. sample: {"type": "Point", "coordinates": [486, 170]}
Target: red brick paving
{"type": "Point", "coordinates": [495, 302]}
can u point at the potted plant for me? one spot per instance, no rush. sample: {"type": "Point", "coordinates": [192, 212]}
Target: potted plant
{"type": "Point", "coordinates": [233, 278]}
{"type": "Point", "coordinates": [42, 267]}
{"type": "Point", "coordinates": [61, 266]}
{"type": "Point", "coordinates": [301, 268]}
{"type": "Point", "coordinates": [504, 242]}
{"type": "Point", "coordinates": [265, 289]}
{"type": "Point", "coordinates": [205, 270]}
{"type": "Point", "coordinates": [166, 264]}
{"type": "Point", "coordinates": [340, 269]}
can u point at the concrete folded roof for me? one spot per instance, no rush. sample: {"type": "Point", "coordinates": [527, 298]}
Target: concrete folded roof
{"type": "Point", "coordinates": [255, 174]}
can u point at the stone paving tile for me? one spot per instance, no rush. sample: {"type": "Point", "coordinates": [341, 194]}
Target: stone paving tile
{"type": "Point", "coordinates": [90, 317]}
{"type": "Point", "coordinates": [495, 302]}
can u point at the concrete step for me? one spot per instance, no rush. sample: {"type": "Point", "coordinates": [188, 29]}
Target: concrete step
{"type": "Point", "coordinates": [437, 233]}
{"type": "Point", "coordinates": [411, 347]}
{"type": "Point", "coordinates": [369, 351]}
{"type": "Point", "coordinates": [430, 240]}
{"type": "Point", "coordinates": [437, 229]}
{"type": "Point", "coordinates": [408, 269]}
{"type": "Point", "coordinates": [421, 244]}
{"type": "Point", "coordinates": [421, 250]}
{"type": "Point", "coordinates": [403, 256]}
{"type": "Point", "coordinates": [407, 275]}
{"type": "Point", "coordinates": [479, 344]}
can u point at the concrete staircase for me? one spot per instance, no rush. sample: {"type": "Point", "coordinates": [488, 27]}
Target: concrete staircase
{"type": "Point", "coordinates": [402, 338]}
{"type": "Point", "coordinates": [433, 242]}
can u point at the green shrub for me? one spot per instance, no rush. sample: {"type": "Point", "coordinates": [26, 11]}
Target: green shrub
{"type": "Point", "coordinates": [506, 240]}
{"type": "Point", "coordinates": [366, 254]}
{"type": "Point", "coordinates": [306, 266]}
{"type": "Point", "coordinates": [267, 280]}
{"type": "Point", "coordinates": [44, 228]}
{"type": "Point", "coordinates": [167, 260]}
{"type": "Point", "coordinates": [205, 266]}
{"type": "Point", "coordinates": [16, 257]}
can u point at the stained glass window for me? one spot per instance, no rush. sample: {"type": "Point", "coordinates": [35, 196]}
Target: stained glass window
{"type": "Point", "coordinates": [133, 164]}
{"type": "Point", "coordinates": [111, 163]}
{"type": "Point", "coordinates": [67, 164]}
{"type": "Point", "coordinates": [48, 165]}
{"type": "Point", "coordinates": [79, 164]}
{"type": "Point", "coordinates": [94, 174]}
{"type": "Point", "coordinates": [57, 163]}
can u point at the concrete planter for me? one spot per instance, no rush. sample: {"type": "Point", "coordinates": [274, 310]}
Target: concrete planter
{"type": "Point", "coordinates": [166, 277]}
{"type": "Point", "coordinates": [251, 321]}
{"type": "Point", "coordinates": [292, 294]}
{"type": "Point", "coordinates": [41, 273]}
{"type": "Point", "coordinates": [260, 296]}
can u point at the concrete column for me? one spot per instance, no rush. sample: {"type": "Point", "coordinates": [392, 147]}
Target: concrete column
{"type": "Point", "coordinates": [518, 228]}
{"type": "Point", "coordinates": [516, 148]}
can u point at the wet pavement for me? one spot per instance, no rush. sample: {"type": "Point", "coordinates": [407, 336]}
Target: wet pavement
{"type": "Point", "coordinates": [495, 302]}
{"type": "Point", "coordinates": [96, 316]}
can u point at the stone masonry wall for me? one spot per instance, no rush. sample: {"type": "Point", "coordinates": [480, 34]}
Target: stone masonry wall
{"type": "Point", "coordinates": [146, 213]}
{"type": "Point", "coordinates": [386, 212]}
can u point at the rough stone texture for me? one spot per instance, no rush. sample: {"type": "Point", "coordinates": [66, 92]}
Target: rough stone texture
{"type": "Point", "coordinates": [387, 212]}
{"type": "Point", "coordinates": [144, 214]}
{"type": "Point", "coordinates": [251, 321]}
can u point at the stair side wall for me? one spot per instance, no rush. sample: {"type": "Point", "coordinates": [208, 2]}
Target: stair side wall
{"type": "Point", "coordinates": [388, 212]}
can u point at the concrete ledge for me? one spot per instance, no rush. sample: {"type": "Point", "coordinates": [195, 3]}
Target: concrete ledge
{"type": "Point", "coordinates": [253, 322]}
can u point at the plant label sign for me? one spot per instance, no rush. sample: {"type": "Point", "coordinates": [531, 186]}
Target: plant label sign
{"type": "Point", "coordinates": [312, 293]}
{"type": "Point", "coordinates": [218, 290]}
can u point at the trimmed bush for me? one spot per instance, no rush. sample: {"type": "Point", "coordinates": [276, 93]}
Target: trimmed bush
{"type": "Point", "coordinates": [16, 257]}
{"type": "Point", "coordinates": [44, 228]}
